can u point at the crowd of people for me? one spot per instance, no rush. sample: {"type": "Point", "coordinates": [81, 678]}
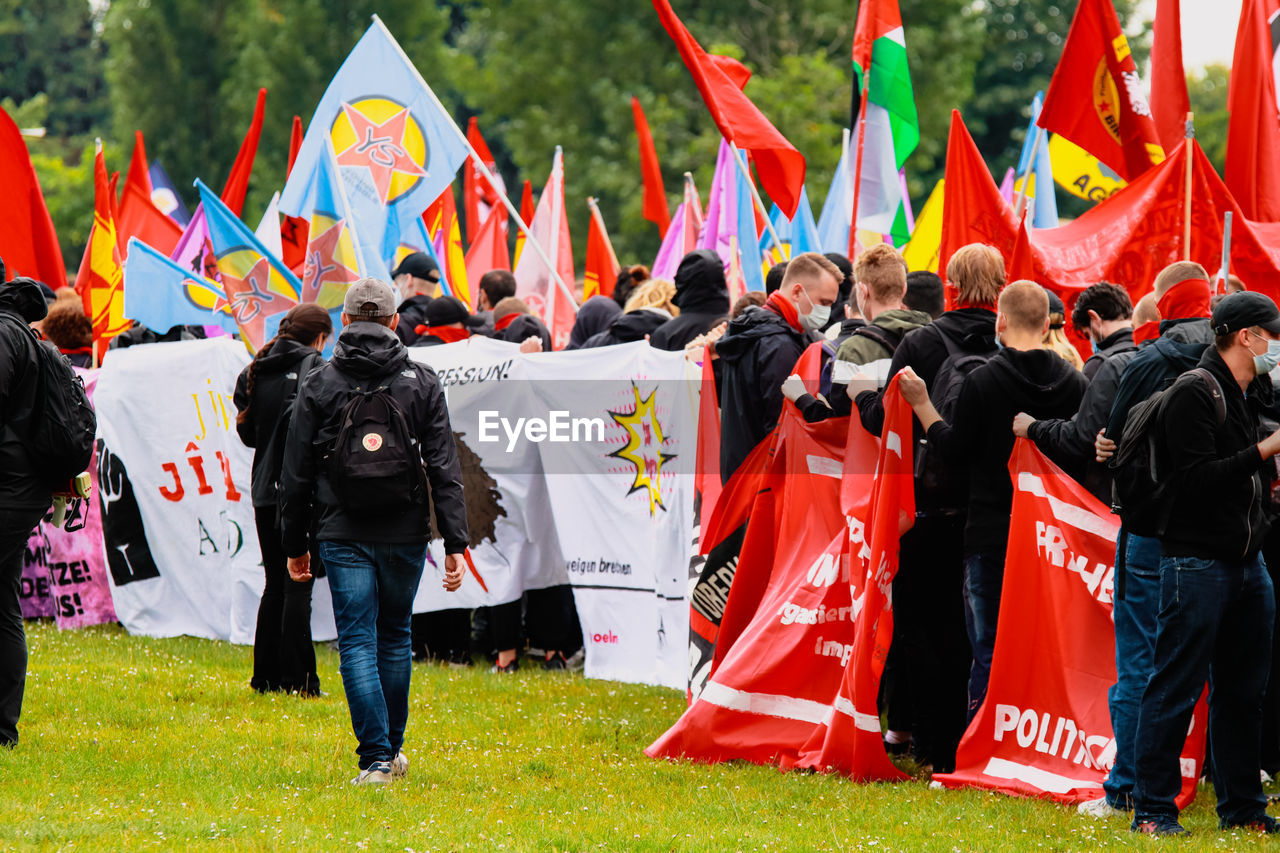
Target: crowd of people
{"type": "Point", "coordinates": [1186, 374]}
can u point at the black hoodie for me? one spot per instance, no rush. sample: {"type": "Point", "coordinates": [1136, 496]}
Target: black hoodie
{"type": "Point", "coordinates": [594, 317]}
{"type": "Point", "coordinates": [702, 297]}
{"type": "Point", "coordinates": [276, 376]}
{"type": "Point", "coordinates": [366, 353]}
{"type": "Point", "coordinates": [1038, 382]}
{"type": "Point", "coordinates": [21, 484]}
{"type": "Point", "coordinates": [755, 355]}
{"type": "Point", "coordinates": [413, 313]}
{"type": "Point", "coordinates": [525, 326]}
{"type": "Point", "coordinates": [630, 327]}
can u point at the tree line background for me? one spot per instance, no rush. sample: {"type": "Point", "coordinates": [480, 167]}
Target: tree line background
{"type": "Point", "coordinates": [536, 73]}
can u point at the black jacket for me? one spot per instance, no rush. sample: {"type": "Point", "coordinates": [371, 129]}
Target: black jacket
{"type": "Point", "coordinates": [847, 327]}
{"type": "Point", "coordinates": [1038, 382]}
{"type": "Point", "coordinates": [628, 328]}
{"type": "Point", "coordinates": [1154, 367]}
{"type": "Point", "coordinates": [368, 352]}
{"type": "Point", "coordinates": [1113, 344]}
{"type": "Point", "coordinates": [924, 351]}
{"type": "Point", "coordinates": [1219, 485]}
{"type": "Point", "coordinates": [140, 334]}
{"type": "Point", "coordinates": [594, 317]}
{"type": "Point", "coordinates": [702, 297]}
{"type": "Point", "coordinates": [21, 484]}
{"type": "Point", "coordinates": [276, 378]}
{"type": "Point", "coordinates": [525, 326]}
{"type": "Point", "coordinates": [1070, 441]}
{"type": "Point", "coordinates": [756, 354]}
{"type": "Point", "coordinates": [413, 313]}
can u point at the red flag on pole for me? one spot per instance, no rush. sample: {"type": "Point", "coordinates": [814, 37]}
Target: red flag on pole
{"type": "Point", "coordinates": [295, 143]}
{"type": "Point", "coordinates": [1253, 137]}
{"type": "Point", "coordinates": [294, 230]}
{"type": "Point", "coordinates": [100, 281]}
{"type": "Point", "coordinates": [138, 174]}
{"type": "Point", "coordinates": [479, 196]}
{"type": "Point", "coordinates": [1095, 97]}
{"type": "Point", "coordinates": [138, 215]}
{"type": "Point", "coordinates": [28, 242]}
{"type": "Point", "coordinates": [602, 268]}
{"type": "Point", "coordinates": [526, 213]}
{"type": "Point", "coordinates": [238, 181]}
{"type": "Point", "coordinates": [488, 250]}
{"type": "Point", "coordinates": [655, 194]}
{"type": "Point", "coordinates": [1169, 100]}
{"type": "Point", "coordinates": [720, 80]}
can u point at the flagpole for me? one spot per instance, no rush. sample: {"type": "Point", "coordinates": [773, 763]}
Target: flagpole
{"type": "Point", "coordinates": [480, 165]}
{"type": "Point", "coordinates": [1020, 200]}
{"type": "Point", "coordinates": [755, 195]}
{"type": "Point", "coordinates": [1186, 203]}
{"type": "Point", "coordinates": [1226, 253]}
{"type": "Point", "coordinates": [857, 169]}
{"type": "Point", "coordinates": [599, 220]}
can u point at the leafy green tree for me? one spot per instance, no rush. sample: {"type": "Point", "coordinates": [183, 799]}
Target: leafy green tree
{"type": "Point", "coordinates": [1207, 90]}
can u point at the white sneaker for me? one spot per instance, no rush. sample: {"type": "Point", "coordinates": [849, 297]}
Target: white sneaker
{"type": "Point", "coordinates": [399, 766]}
{"type": "Point", "coordinates": [1100, 808]}
{"type": "Point", "coordinates": [378, 773]}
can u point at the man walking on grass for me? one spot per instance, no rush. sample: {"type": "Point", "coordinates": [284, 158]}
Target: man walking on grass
{"type": "Point", "coordinates": [370, 449]}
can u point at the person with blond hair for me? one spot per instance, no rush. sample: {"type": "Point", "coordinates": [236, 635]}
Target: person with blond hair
{"type": "Point", "coordinates": [650, 305]}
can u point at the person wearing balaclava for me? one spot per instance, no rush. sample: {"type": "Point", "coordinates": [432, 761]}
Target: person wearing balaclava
{"type": "Point", "coordinates": [760, 349]}
{"type": "Point", "coordinates": [702, 297]}
{"type": "Point", "coordinates": [594, 317]}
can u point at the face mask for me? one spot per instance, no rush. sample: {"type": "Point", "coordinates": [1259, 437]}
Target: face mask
{"type": "Point", "coordinates": [1267, 362]}
{"type": "Point", "coordinates": [817, 317]}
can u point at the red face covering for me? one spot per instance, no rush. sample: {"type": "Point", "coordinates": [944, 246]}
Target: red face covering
{"type": "Point", "coordinates": [505, 321]}
{"type": "Point", "coordinates": [1186, 300]}
{"type": "Point", "coordinates": [781, 305]}
{"type": "Point", "coordinates": [1147, 332]}
{"type": "Point", "coordinates": [448, 334]}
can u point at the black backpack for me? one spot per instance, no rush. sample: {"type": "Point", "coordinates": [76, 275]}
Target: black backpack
{"type": "Point", "coordinates": [375, 465]}
{"type": "Point", "coordinates": [59, 434]}
{"type": "Point", "coordinates": [1139, 482]}
{"type": "Point", "coordinates": [942, 481]}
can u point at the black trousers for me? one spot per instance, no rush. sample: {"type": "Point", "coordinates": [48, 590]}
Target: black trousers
{"type": "Point", "coordinates": [552, 619]}
{"type": "Point", "coordinates": [933, 656]}
{"type": "Point", "coordinates": [442, 634]}
{"type": "Point", "coordinates": [15, 529]}
{"type": "Point", "coordinates": [283, 656]}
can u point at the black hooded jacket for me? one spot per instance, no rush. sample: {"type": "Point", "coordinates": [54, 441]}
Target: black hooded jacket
{"type": "Point", "coordinates": [1038, 382]}
{"type": "Point", "coordinates": [756, 355]}
{"type": "Point", "coordinates": [525, 326]}
{"type": "Point", "coordinates": [21, 484]}
{"type": "Point", "coordinates": [277, 375]}
{"type": "Point", "coordinates": [628, 328]}
{"type": "Point", "coordinates": [594, 317]}
{"type": "Point", "coordinates": [368, 352]}
{"type": "Point", "coordinates": [702, 297]}
{"type": "Point", "coordinates": [413, 313]}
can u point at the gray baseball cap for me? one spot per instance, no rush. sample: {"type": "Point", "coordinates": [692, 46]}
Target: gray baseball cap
{"type": "Point", "coordinates": [369, 298]}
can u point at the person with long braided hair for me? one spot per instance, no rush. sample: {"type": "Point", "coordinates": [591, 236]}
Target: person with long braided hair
{"type": "Point", "coordinates": [283, 656]}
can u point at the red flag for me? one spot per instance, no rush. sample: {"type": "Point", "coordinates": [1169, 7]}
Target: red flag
{"type": "Point", "coordinates": [139, 217]}
{"type": "Point", "coordinates": [602, 268]}
{"type": "Point", "coordinates": [488, 250]}
{"type": "Point", "coordinates": [706, 476]}
{"type": "Point", "coordinates": [1169, 100]}
{"type": "Point", "coordinates": [655, 194]}
{"type": "Point", "coordinates": [238, 181]}
{"type": "Point", "coordinates": [779, 165]}
{"type": "Point", "coordinates": [478, 195]}
{"type": "Point", "coordinates": [138, 174]}
{"type": "Point", "coordinates": [28, 242]}
{"type": "Point", "coordinates": [295, 143]}
{"type": "Point", "coordinates": [1253, 135]}
{"type": "Point", "coordinates": [294, 230]}
{"type": "Point", "coordinates": [526, 213]}
{"type": "Point", "coordinates": [973, 210]}
{"type": "Point", "coordinates": [1095, 97]}
{"type": "Point", "coordinates": [1044, 729]}
{"type": "Point", "coordinates": [100, 281]}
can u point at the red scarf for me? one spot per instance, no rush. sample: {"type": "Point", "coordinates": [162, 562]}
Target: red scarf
{"type": "Point", "coordinates": [506, 321]}
{"type": "Point", "coordinates": [781, 305]}
{"type": "Point", "coordinates": [448, 334]}
{"type": "Point", "coordinates": [1188, 299]}
{"type": "Point", "coordinates": [1147, 332]}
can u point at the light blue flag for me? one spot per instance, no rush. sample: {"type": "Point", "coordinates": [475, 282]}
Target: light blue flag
{"type": "Point", "coordinates": [395, 146]}
{"type": "Point", "coordinates": [159, 294]}
{"type": "Point", "coordinates": [748, 249]}
{"type": "Point", "coordinates": [800, 233]}
{"type": "Point", "coordinates": [833, 223]}
{"type": "Point", "coordinates": [1045, 214]}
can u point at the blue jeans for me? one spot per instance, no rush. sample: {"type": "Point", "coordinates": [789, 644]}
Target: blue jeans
{"type": "Point", "coordinates": [1216, 620]}
{"type": "Point", "coordinates": [373, 585]}
{"type": "Point", "coordinates": [983, 580]}
{"type": "Point", "coordinates": [1135, 619]}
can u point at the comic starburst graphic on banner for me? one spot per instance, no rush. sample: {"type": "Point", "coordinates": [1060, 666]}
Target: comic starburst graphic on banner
{"type": "Point", "coordinates": [644, 447]}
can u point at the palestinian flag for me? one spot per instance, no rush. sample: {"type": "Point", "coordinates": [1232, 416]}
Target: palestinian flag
{"type": "Point", "coordinates": [891, 130]}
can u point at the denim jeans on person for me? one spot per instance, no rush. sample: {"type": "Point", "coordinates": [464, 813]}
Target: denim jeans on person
{"type": "Point", "coordinates": [983, 578]}
{"type": "Point", "coordinates": [15, 529]}
{"type": "Point", "coordinates": [1135, 624]}
{"type": "Point", "coordinates": [1216, 621]}
{"type": "Point", "coordinates": [373, 585]}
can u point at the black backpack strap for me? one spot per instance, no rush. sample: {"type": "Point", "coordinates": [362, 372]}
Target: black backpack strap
{"type": "Point", "coordinates": [1215, 392]}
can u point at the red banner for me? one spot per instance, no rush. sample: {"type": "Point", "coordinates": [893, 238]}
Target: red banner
{"type": "Point", "coordinates": [1045, 727]}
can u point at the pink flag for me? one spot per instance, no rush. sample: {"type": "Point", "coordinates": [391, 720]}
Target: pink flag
{"type": "Point", "coordinates": [720, 228]}
{"type": "Point", "coordinates": [534, 282]}
{"type": "Point", "coordinates": [671, 251]}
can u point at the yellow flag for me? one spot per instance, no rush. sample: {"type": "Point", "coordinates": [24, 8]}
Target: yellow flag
{"type": "Point", "coordinates": [1079, 172]}
{"type": "Point", "coordinates": [921, 251]}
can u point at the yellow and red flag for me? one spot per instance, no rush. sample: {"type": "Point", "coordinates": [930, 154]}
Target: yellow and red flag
{"type": "Point", "coordinates": [100, 281]}
{"type": "Point", "coordinates": [441, 219]}
{"type": "Point", "coordinates": [602, 266]}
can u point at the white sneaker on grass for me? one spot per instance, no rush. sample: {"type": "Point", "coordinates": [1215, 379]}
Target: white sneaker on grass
{"type": "Point", "coordinates": [377, 773]}
{"type": "Point", "coordinates": [399, 766]}
{"type": "Point", "coordinates": [1100, 808]}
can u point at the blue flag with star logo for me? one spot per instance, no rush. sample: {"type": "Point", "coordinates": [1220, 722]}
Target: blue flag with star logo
{"type": "Point", "coordinates": [159, 294]}
{"type": "Point", "coordinates": [395, 147]}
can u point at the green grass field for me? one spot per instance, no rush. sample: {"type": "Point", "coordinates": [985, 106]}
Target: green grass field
{"type": "Point", "coordinates": [130, 743]}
